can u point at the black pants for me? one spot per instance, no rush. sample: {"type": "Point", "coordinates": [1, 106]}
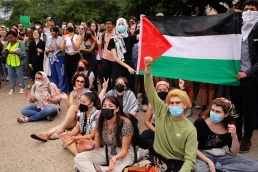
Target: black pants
{"type": "Point", "coordinates": [244, 99]}
{"type": "Point", "coordinates": [107, 67]}
{"type": "Point", "coordinates": [147, 138]}
{"type": "Point", "coordinates": [71, 63]}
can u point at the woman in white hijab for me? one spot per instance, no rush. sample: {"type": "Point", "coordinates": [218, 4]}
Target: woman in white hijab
{"type": "Point", "coordinates": [121, 46]}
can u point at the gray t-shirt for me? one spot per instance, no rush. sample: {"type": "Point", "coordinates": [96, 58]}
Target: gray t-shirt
{"type": "Point", "coordinates": [245, 62]}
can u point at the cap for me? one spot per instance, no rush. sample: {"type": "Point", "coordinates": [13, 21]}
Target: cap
{"type": "Point", "coordinates": [162, 83]}
{"type": "Point", "coordinates": [49, 18]}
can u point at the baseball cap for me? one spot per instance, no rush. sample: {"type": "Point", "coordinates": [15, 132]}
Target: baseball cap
{"type": "Point", "coordinates": [49, 18]}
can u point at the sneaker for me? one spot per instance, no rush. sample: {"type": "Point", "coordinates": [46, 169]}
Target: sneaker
{"type": "Point", "coordinates": [188, 112]}
{"type": "Point", "coordinates": [39, 136]}
{"type": "Point", "coordinates": [11, 92]}
{"type": "Point", "coordinates": [141, 154]}
{"type": "Point", "coordinates": [22, 119]}
{"type": "Point", "coordinates": [245, 145]}
{"type": "Point", "coordinates": [144, 108]}
{"type": "Point", "coordinates": [21, 91]}
{"type": "Point", "coordinates": [195, 105]}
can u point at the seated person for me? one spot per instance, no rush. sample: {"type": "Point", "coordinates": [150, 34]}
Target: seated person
{"type": "Point", "coordinates": [126, 97]}
{"type": "Point", "coordinates": [175, 142]}
{"type": "Point", "coordinates": [81, 85]}
{"type": "Point", "coordinates": [214, 131]}
{"type": "Point", "coordinates": [84, 68]}
{"type": "Point", "coordinates": [147, 136]}
{"type": "Point", "coordinates": [45, 99]}
{"type": "Point", "coordinates": [115, 131]}
{"type": "Point", "coordinates": [85, 128]}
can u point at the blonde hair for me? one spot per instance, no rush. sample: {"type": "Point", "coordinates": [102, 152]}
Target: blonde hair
{"type": "Point", "coordinates": [181, 95]}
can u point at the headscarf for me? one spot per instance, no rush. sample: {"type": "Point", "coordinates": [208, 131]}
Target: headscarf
{"type": "Point", "coordinates": [230, 107]}
{"type": "Point", "coordinates": [118, 39]}
{"type": "Point", "coordinates": [45, 83]}
{"type": "Point", "coordinates": [162, 83]}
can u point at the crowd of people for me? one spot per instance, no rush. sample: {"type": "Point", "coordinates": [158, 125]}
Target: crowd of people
{"type": "Point", "coordinates": [74, 62]}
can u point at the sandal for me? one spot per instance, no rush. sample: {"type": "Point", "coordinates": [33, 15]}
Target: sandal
{"type": "Point", "coordinates": [53, 136]}
{"type": "Point", "coordinates": [22, 119]}
{"type": "Point", "coordinates": [40, 136]}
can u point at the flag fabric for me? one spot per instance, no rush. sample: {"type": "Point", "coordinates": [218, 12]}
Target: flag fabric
{"type": "Point", "coordinates": [196, 48]}
{"type": "Point", "coordinates": [25, 21]}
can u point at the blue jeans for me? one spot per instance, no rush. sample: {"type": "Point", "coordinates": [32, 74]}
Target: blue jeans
{"type": "Point", "coordinates": [34, 113]}
{"type": "Point", "coordinates": [11, 75]}
{"type": "Point", "coordinates": [58, 74]}
{"type": "Point", "coordinates": [227, 163]}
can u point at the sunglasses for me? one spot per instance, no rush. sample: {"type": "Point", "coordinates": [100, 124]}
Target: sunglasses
{"type": "Point", "coordinates": [80, 81]}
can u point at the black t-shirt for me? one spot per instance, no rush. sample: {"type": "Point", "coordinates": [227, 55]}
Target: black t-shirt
{"type": "Point", "coordinates": [120, 99]}
{"type": "Point", "coordinates": [129, 43]}
{"type": "Point", "coordinates": [208, 139]}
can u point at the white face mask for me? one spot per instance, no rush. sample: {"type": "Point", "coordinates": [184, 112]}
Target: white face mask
{"type": "Point", "coordinates": [37, 27]}
{"type": "Point", "coordinates": [250, 18]}
{"type": "Point", "coordinates": [38, 83]}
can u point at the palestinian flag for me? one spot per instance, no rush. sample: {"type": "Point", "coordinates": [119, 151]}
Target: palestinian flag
{"type": "Point", "coordinates": [196, 48]}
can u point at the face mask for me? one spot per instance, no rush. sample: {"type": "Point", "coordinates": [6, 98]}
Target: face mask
{"type": "Point", "coordinates": [83, 108]}
{"type": "Point", "coordinates": [70, 29]}
{"type": "Point", "coordinates": [215, 118]}
{"type": "Point", "coordinates": [176, 111]}
{"type": "Point", "coordinates": [107, 113]}
{"type": "Point", "coordinates": [162, 95]}
{"type": "Point", "coordinates": [119, 88]}
{"type": "Point", "coordinates": [80, 68]}
{"type": "Point", "coordinates": [249, 16]}
{"type": "Point", "coordinates": [37, 27]}
{"type": "Point", "coordinates": [121, 29]}
{"type": "Point", "coordinates": [38, 83]}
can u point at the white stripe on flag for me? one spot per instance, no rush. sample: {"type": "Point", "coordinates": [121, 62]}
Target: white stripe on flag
{"type": "Point", "coordinates": [225, 47]}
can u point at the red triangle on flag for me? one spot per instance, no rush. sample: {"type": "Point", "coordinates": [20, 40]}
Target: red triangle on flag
{"type": "Point", "coordinates": [153, 43]}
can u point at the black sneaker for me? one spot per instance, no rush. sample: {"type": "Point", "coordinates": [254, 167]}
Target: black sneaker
{"type": "Point", "coordinates": [245, 145]}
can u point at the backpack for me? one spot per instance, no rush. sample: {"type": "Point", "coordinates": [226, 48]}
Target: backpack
{"type": "Point", "coordinates": [135, 138]}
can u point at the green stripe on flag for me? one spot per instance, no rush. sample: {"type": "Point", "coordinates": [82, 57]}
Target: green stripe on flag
{"type": "Point", "coordinates": [201, 70]}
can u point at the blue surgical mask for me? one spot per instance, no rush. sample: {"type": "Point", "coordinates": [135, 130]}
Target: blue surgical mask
{"type": "Point", "coordinates": [176, 111]}
{"type": "Point", "coordinates": [121, 29]}
{"type": "Point", "coordinates": [215, 118]}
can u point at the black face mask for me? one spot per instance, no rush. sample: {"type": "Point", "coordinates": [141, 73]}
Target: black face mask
{"type": "Point", "coordinates": [107, 113]}
{"type": "Point", "coordinates": [80, 68]}
{"type": "Point", "coordinates": [119, 88]}
{"type": "Point", "coordinates": [83, 108]}
{"type": "Point", "coordinates": [162, 95]}
{"type": "Point", "coordinates": [70, 29]}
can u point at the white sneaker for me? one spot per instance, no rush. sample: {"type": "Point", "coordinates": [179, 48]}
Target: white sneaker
{"type": "Point", "coordinates": [21, 90]}
{"type": "Point", "coordinates": [11, 92]}
{"type": "Point", "coordinates": [144, 108]}
{"type": "Point", "coordinates": [141, 154]}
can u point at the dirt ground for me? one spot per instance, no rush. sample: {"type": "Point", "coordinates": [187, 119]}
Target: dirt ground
{"type": "Point", "coordinates": [20, 153]}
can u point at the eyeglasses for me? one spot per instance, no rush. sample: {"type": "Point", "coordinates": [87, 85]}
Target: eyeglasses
{"type": "Point", "coordinates": [80, 81]}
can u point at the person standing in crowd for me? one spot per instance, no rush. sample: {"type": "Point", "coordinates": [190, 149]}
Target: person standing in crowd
{"type": "Point", "coordinates": [45, 96]}
{"type": "Point", "coordinates": [94, 28]}
{"type": "Point", "coordinates": [84, 24]}
{"type": "Point", "coordinates": [107, 60]}
{"type": "Point", "coordinates": [71, 46]}
{"type": "Point", "coordinates": [36, 53]}
{"type": "Point", "coordinates": [56, 59]}
{"type": "Point", "coordinates": [15, 54]}
{"type": "Point", "coordinates": [147, 136]}
{"type": "Point", "coordinates": [89, 54]}
{"type": "Point", "coordinates": [216, 130]}
{"type": "Point", "coordinates": [121, 47]}
{"type": "Point", "coordinates": [126, 97]}
{"type": "Point", "coordinates": [27, 40]}
{"type": "Point", "coordinates": [115, 131]}
{"type": "Point", "coordinates": [244, 96]}
{"type": "Point", "coordinates": [132, 29]}
{"type": "Point", "coordinates": [132, 21]}
{"type": "Point", "coordinates": [47, 31]}
{"type": "Point", "coordinates": [82, 32]}
{"type": "Point", "coordinates": [1, 63]}
{"type": "Point", "coordinates": [3, 36]}
{"type": "Point", "coordinates": [21, 32]}
{"type": "Point", "coordinates": [175, 142]}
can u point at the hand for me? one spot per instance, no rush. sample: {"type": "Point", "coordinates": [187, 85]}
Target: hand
{"type": "Point", "coordinates": [131, 70]}
{"type": "Point", "coordinates": [94, 38]}
{"type": "Point", "coordinates": [148, 61]}
{"type": "Point", "coordinates": [74, 94]}
{"type": "Point", "coordinates": [65, 135]}
{"type": "Point", "coordinates": [63, 96]}
{"type": "Point", "coordinates": [70, 141]}
{"type": "Point", "coordinates": [87, 144]}
{"type": "Point", "coordinates": [232, 130]}
{"type": "Point", "coordinates": [51, 50]}
{"type": "Point", "coordinates": [64, 39]}
{"type": "Point", "coordinates": [105, 83]}
{"type": "Point", "coordinates": [211, 166]}
{"type": "Point", "coordinates": [39, 50]}
{"type": "Point", "coordinates": [28, 95]}
{"type": "Point", "coordinates": [241, 75]}
{"type": "Point", "coordinates": [30, 65]}
{"type": "Point", "coordinates": [13, 52]}
{"type": "Point", "coordinates": [112, 164]}
{"type": "Point", "coordinates": [181, 84]}
{"type": "Point", "coordinates": [45, 97]}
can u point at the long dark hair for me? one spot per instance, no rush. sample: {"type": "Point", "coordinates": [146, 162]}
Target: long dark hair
{"type": "Point", "coordinates": [92, 33]}
{"type": "Point", "coordinates": [93, 97]}
{"type": "Point", "coordinates": [86, 80]}
{"type": "Point", "coordinates": [119, 121]}
{"type": "Point", "coordinates": [227, 120]}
